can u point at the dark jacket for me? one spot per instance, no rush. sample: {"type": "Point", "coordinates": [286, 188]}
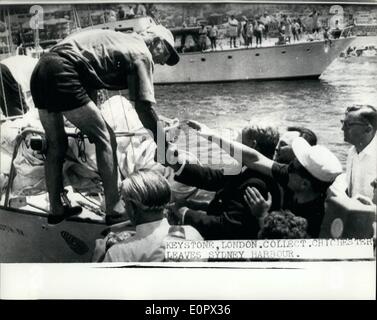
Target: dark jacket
{"type": "Point", "coordinates": [228, 216]}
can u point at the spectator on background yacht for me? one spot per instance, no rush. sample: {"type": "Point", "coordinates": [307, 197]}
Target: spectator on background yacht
{"type": "Point", "coordinates": [213, 33]}
{"type": "Point", "coordinates": [203, 37]}
{"type": "Point", "coordinates": [258, 32]}
{"type": "Point", "coordinates": [249, 30]}
{"type": "Point", "coordinates": [130, 13]}
{"type": "Point", "coordinates": [266, 20]}
{"type": "Point", "coordinates": [315, 24]}
{"type": "Point", "coordinates": [121, 15]}
{"type": "Point", "coordinates": [295, 30]}
{"type": "Point", "coordinates": [242, 29]}
{"type": "Point", "coordinates": [232, 31]}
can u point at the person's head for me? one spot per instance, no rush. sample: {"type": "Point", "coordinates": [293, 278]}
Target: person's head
{"type": "Point", "coordinates": [262, 139]}
{"type": "Point", "coordinates": [283, 225]}
{"type": "Point", "coordinates": [313, 169]}
{"type": "Point", "coordinates": [265, 14]}
{"type": "Point", "coordinates": [283, 151]}
{"type": "Point", "coordinates": [359, 125]}
{"type": "Point", "coordinates": [160, 42]}
{"type": "Point", "coordinates": [145, 194]}
{"type": "Point", "coordinates": [232, 16]}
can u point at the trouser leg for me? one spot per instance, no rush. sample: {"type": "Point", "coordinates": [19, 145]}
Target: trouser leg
{"type": "Point", "coordinates": [57, 143]}
{"type": "Point", "coordinates": [89, 120]}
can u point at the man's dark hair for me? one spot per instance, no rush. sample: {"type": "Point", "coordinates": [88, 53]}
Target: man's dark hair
{"type": "Point", "coordinates": [283, 225]}
{"type": "Point", "coordinates": [266, 139]}
{"type": "Point", "coordinates": [367, 113]}
{"type": "Point", "coordinates": [305, 133]}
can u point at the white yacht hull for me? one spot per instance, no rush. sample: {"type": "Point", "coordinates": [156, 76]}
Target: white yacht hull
{"type": "Point", "coordinates": [300, 60]}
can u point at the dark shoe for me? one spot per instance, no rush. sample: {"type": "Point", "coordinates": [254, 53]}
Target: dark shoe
{"type": "Point", "coordinates": [115, 218]}
{"type": "Point", "coordinates": [68, 212]}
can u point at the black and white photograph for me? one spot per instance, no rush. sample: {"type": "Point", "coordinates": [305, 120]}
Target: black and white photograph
{"type": "Point", "coordinates": [188, 150]}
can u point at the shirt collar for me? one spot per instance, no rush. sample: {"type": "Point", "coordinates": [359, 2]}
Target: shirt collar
{"type": "Point", "coordinates": [370, 149]}
{"type": "Point", "coordinates": [147, 228]}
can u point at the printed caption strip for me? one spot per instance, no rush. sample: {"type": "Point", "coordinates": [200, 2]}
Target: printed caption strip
{"type": "Point", "coordinates": [286, 249]}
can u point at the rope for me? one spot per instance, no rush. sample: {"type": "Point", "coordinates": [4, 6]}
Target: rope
{"type": "Point", "coordinates": [80, 141]}
{"type": "Point", "coordinates": [20, 95]}
{"type": "Point", "coordinates": [90, 17]}
{"type": "Point", "coordinates": [128, 126]}
{"type": "Point", "coordinates": [2, 88]}
{"type": "Point", "coordinates": [9, 34]}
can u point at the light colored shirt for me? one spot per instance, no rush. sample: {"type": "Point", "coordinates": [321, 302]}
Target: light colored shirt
{"type": "Point", "coordinates": [111, 60]}
{"type": "Point", "coordinates": [361, 170]}
{"type": "Point", "coordinates": [147, 243]}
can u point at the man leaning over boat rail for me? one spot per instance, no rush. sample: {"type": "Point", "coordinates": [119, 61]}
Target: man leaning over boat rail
{"type": "Point", "coordinates": [308, 176]}
{"type": "Point", "coordinates": [227, 216]}
{"type": "Point", "coordinates": [64, 83]}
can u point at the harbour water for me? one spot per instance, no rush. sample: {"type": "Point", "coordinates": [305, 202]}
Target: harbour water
{"type": "Point", "coordinates": [316, 104]}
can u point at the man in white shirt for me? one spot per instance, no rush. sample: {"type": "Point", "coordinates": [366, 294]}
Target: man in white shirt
{"type": "Point", "coordinates": [145, 193]}
{"type": "Point", "coordinates": [360, 127]}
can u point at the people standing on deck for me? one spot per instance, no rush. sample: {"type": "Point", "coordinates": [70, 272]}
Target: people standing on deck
{"type": "Point", "coordinates": [286, 28]}
{"type": "Point", "coordinates": [213, 34]}
{"type": "Point", "coordinates": [203, 38]}
{"type": "Point", "coordinates": [258, 32]}
{"type": "Point", "coordinates": [315, 24]}
{"type": "Point", "coordinates": [295, 30]}
{"type": "Point", "coordinates": [64, 83]}
{"type": "Point", "coordinates": [130, 13]}
{"type": "Point", "coordinates": [232, 31]}
{"type": "Point", "coordinates": [242, 29]}
{"type": "Point", "coordinates": [266, 20]}
{"type": "Point", "coordinates": [249, 30]}
{"type": "Point", "coordinates": [15, 74]}
{"type": "Point", "coordinates": [121, 15]}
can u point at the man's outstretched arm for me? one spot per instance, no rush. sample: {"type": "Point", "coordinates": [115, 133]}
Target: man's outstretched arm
{"type": "Point", "coordinates": [250, 157]}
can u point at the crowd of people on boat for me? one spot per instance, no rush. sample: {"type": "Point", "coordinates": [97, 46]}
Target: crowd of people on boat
{"type": "Point", "coordinates": [244, 31]}
{"type": "Point", "coordinates": [282, 191]}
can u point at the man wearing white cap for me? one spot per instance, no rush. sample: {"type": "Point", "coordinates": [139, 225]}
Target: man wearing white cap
{"type": "Point", "coordinates": [64, 83]}
{"type": "Point", "coordinates": [307, 177]}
